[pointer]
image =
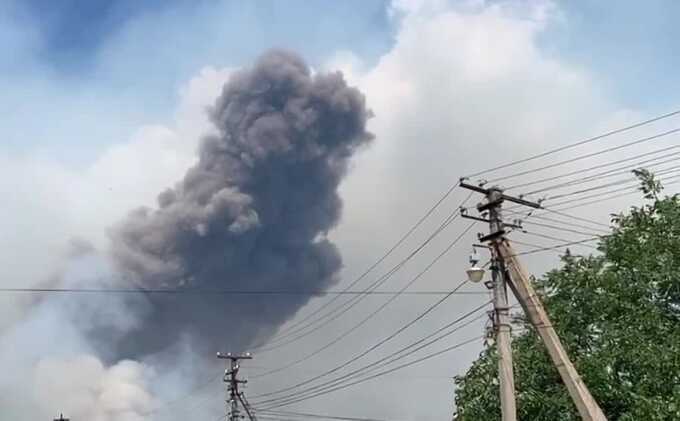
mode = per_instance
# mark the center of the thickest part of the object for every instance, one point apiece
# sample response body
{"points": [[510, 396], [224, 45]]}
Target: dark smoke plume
{"points": [[252, 214]]}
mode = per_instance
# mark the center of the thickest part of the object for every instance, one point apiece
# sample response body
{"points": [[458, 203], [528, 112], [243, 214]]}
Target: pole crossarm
{"points": [[513, 199]]}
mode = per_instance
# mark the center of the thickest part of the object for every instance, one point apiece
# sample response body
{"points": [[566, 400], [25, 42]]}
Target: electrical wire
{"points": [[574, 217], [277, 416], [372, 314], [370, 349], [549, 248], [335, 314], [626, 180], [532, 245], [579, 143], [385, 255], [223, 292], [589, 155], [609, 173], [633, 181], [550, 237], [634, 188], [603, 197], [382, 373], [581, 171], [540, 217], [318, 416], [586, 180], [592, 202], [569, 230], [392, 357]]}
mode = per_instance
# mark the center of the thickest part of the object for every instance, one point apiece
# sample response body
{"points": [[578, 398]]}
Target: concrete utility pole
{"points": [[501, 310], [231, 378], [533, 308], [504, 263]]}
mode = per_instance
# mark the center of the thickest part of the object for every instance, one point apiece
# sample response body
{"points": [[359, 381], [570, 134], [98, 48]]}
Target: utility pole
{"points": [[506, 268], [231, 378], [533, 308], [501, 308]]}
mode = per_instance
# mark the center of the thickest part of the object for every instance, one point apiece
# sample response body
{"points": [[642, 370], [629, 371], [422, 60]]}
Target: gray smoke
{"points": [[252, 214]]}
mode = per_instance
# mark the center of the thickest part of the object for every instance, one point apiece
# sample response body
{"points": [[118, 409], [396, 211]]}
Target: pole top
{"points": [[234, 357]]}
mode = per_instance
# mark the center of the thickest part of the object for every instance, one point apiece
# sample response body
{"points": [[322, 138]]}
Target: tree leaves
{"points": [[618, 315]]}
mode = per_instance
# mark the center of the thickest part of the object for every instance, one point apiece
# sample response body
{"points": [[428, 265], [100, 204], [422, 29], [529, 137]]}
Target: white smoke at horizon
{"points": [[58, 358], [85, 389]]}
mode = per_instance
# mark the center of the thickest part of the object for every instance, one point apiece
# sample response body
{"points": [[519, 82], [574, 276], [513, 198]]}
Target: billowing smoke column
{"points": [[252, 214]]}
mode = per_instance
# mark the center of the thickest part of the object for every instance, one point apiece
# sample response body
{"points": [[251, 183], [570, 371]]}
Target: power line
{"points": [[277, 416], [627, 180], [589, 155], [602, 199], [524, 218], [308, 415], [538, 247], [223, 292], [574, 217], [553, 227], [369, 349], [581, 171], [532, 245], [541, 249], [601, 196], [330, 316], [382, 373], [579, 143], [609, 173], [550, 237], [372, 314], [604, 196], [385, 255], [397, 355]]}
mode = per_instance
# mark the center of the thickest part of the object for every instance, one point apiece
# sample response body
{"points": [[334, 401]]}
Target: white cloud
{"points": [[460, 91]]}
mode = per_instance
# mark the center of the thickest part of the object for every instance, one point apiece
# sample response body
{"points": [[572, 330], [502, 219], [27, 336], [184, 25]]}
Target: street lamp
{"points": [[475, 274]]}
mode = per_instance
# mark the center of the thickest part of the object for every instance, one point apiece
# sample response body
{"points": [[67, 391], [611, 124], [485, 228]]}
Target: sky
{"points": [[104, 105]]}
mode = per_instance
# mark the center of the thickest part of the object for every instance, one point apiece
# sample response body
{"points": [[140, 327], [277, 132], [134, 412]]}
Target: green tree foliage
{"points": [[618, 315]]}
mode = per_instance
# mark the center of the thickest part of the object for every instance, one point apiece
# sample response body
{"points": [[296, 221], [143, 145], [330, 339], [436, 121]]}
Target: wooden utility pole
{"points": [[505, 261]]}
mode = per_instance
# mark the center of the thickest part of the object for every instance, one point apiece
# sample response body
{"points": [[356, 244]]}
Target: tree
{"points": [[618, 315]]}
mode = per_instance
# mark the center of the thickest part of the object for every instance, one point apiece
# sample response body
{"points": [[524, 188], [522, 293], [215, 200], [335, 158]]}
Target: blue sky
{"points": [[631, 46], [133, 55], [74, 29]]}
